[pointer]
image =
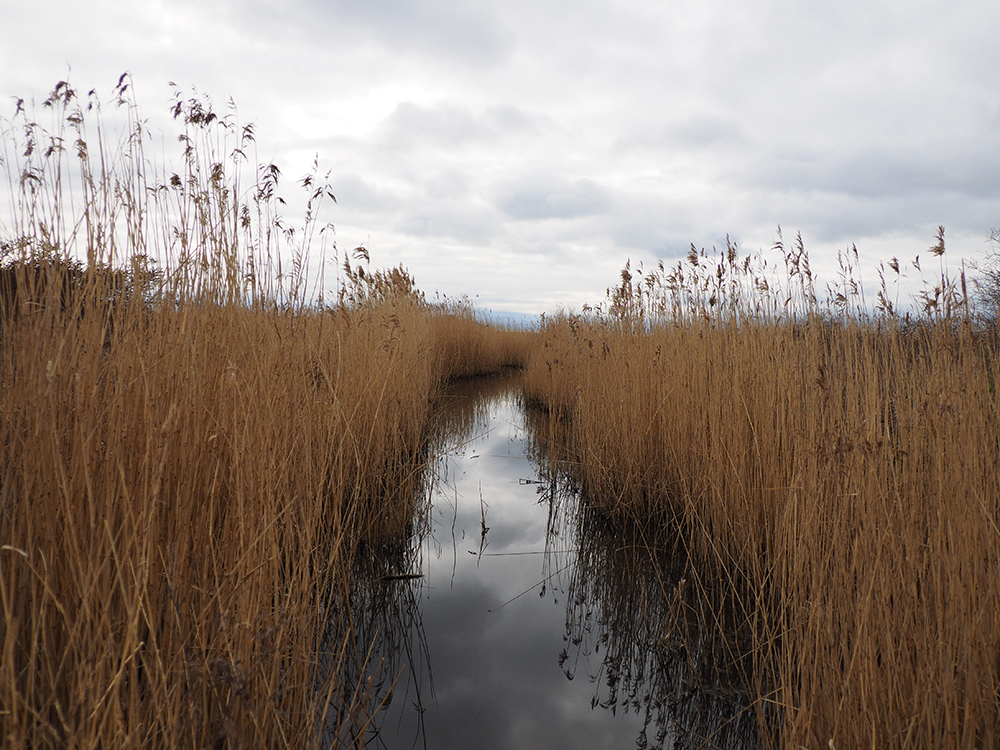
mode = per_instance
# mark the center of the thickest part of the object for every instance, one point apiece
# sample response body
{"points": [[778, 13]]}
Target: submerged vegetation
{"points": [[203, 445]]}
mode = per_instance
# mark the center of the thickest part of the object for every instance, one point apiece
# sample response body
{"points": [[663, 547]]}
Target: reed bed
{"points": [[465, 347], [676, 660], [833, 470], [196, 449]]}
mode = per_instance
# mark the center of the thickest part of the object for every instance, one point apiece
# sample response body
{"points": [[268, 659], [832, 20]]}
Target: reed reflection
{"points": [[472, 652], [374, 638], [672, 650]]}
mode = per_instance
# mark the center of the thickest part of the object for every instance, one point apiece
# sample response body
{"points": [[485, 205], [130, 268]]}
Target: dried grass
{"points": [[194, 451], [835, 472]]}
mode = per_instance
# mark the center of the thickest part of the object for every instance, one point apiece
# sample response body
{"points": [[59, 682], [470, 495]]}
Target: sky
{"points": [[520, 152]]}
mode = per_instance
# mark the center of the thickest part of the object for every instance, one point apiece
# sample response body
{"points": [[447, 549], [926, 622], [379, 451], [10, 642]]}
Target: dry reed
{"points": [[195, 452], [835, 472]]}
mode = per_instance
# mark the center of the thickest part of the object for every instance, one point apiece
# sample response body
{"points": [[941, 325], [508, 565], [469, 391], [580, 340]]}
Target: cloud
{"points": [[701, 131], [564, 199], [357, 194], [535, 133], [455, 30], [449, 126], [692, 133], [449, 183], [458, 221], [442, 125], [880, 171]]}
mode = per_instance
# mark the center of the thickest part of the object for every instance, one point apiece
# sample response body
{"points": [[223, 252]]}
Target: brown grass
{"points": [[198, 449], [194, 454], [836, 474]]}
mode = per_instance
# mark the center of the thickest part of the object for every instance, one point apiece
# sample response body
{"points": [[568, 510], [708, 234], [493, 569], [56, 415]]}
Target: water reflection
{"points": [[671, 647], [517, 618], [664, 653]]}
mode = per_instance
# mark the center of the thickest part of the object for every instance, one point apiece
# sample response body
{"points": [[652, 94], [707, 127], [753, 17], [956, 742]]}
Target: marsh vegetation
{"points": [[833, 472], [193, 460], [216, 470]]}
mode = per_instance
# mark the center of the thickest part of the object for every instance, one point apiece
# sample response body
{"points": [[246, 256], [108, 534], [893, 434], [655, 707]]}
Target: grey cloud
{"points": [[447, 125], [355, 193], [928, 168], [441, 125], [466, 31], [841, 219], [701, 131], [876, 189], [647, 235], [510, 119], [886, 169], [449, 219], [697, 132], [663, 225], [450, 183], [558, 200]]}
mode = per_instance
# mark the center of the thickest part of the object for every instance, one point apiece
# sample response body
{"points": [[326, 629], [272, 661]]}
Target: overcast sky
{"points": [[522, 151]]}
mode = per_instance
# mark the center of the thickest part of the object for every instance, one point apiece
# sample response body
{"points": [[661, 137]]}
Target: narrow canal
{"points": [[509, 625]]}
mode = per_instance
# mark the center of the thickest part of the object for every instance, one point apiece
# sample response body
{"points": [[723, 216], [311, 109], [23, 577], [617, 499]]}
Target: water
{"points": [[531, 624]]}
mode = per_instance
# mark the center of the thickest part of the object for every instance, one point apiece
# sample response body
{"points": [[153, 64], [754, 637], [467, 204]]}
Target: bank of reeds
{"points": [[466, 347], [195, 450], [665, 649], [835, 471]]}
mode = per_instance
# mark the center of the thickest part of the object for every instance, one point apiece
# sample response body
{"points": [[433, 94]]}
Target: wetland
{"points": [[720, 509], [524, 619]]}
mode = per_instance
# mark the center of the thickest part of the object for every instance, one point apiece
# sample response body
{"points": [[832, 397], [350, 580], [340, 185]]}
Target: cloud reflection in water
{"points": [[503, 623]]}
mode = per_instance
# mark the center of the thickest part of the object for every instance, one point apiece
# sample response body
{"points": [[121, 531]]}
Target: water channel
{"points": [[519, 619]]}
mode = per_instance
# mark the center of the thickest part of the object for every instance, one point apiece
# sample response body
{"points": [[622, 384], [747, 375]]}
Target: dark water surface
{"points": [[531, 626]]}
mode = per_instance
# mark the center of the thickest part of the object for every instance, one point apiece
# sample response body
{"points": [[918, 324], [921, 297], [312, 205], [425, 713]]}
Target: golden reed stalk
{"points": [[838, 474], [193, 452]]}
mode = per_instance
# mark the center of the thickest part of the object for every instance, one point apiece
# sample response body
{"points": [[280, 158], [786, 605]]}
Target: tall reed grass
{"points": [[197, 447], [676, 660], [835, 473]]}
